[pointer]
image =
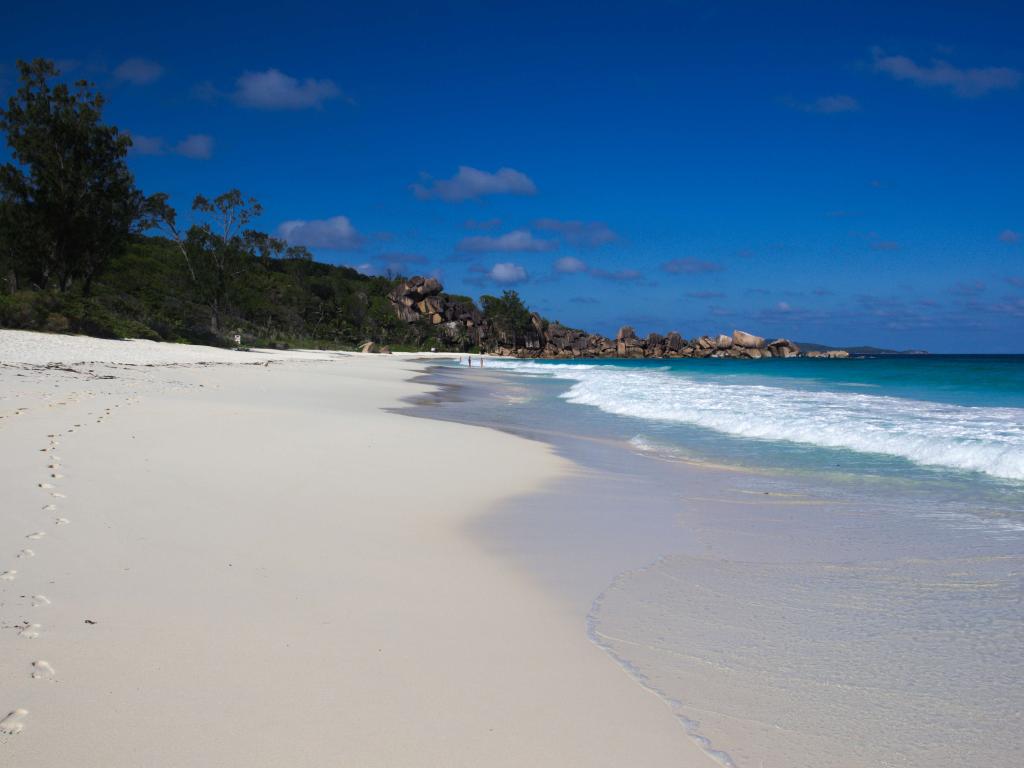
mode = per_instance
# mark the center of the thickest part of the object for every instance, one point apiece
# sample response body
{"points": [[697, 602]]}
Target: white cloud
{"points": [[138, 71], [516, 241], [470, 183], [197, 146], [334, 234], [508, 273], [583, 233], [275, 90], [967, 83], [570, 265]]}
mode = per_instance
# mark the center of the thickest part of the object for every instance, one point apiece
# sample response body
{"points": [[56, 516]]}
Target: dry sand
{"points": [[250, 565]]}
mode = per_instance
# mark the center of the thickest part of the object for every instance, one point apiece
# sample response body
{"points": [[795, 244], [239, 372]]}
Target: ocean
{"points": [[812, 562]]}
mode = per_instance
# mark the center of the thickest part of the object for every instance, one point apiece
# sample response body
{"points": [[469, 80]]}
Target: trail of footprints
{"points": [[14, 722]]}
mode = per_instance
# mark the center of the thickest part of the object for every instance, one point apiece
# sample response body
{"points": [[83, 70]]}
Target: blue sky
{"points": [[844, 174]]}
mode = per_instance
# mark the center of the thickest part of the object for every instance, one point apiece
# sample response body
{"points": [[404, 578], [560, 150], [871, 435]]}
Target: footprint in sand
{"points": [[61, 521], [50, 508], [14, 722], [58, 495], [47, 486], [8, 575], [56, 476], [27, 553], [40, 600], [29, 630], [36, 535], [41, 670]]}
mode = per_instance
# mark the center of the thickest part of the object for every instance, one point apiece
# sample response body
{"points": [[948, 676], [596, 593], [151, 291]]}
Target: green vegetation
{"points": [[78, 253], [508, 315]]}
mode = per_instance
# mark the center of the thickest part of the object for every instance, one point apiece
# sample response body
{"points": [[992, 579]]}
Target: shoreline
{"points": [[239, 579], [739, 597]]}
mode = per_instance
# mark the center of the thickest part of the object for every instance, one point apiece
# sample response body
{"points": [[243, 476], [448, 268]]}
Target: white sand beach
{"points": [[229, 564]]}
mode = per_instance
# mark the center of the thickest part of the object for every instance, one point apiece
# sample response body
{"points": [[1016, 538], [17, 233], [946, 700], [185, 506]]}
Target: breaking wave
{"points": [[980, 439]]}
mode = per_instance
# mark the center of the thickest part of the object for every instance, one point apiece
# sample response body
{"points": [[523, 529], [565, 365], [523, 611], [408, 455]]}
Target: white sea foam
{"points": [[982, 439]]}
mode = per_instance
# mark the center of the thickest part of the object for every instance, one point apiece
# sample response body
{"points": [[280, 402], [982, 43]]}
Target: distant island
{"points": [[861, 351]]}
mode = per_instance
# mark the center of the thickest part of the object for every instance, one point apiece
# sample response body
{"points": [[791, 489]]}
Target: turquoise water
{"points": [[815, 563], [959, 416]]}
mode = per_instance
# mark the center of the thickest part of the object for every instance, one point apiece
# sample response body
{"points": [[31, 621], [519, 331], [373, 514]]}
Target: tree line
{"points": [[82, 249]]}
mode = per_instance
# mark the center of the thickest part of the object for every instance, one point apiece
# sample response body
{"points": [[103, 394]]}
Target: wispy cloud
{"points": [[147, 145], [568, 265], [885, 245], [197, 146], [516, 241], [966, 83], [587, 234], [138, 71], [483, 225], [471, 183], [618, 275], [968, 288], [274, 89], [688, 266], [828, 105], [706, 295], [333, 234], [1009, 236]]}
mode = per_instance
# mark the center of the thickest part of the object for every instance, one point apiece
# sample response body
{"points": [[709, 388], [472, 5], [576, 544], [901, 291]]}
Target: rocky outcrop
{"points": [[461, 325], [747, 340], [627, 344], [410, 298], [783, 348]]}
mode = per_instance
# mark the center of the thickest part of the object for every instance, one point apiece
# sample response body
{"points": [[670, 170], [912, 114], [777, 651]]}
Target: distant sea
{"points": [[813, 562]]}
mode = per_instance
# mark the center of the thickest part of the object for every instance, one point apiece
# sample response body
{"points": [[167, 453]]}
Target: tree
{"points": [[508, 315], [70, 200], [219, 248]]}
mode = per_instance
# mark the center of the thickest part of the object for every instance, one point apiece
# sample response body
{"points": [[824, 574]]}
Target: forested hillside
{"points": [[79, 250]]}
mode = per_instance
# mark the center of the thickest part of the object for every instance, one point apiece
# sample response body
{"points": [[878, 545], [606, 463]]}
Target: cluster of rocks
{"points": [[420, 299], [558, 341]]}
